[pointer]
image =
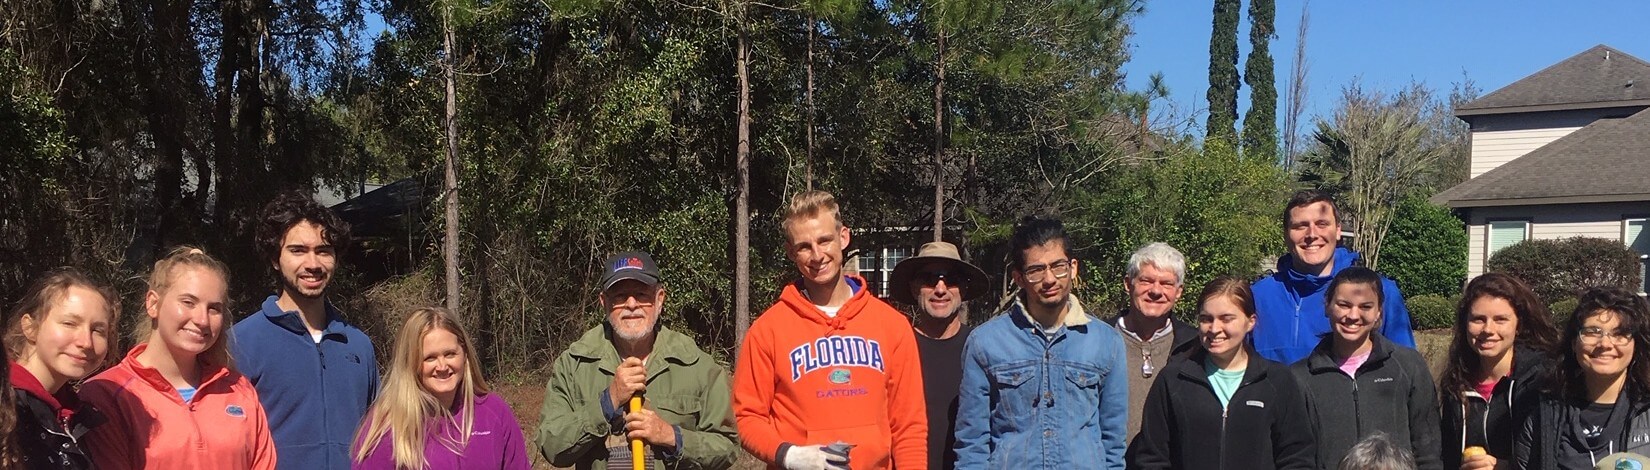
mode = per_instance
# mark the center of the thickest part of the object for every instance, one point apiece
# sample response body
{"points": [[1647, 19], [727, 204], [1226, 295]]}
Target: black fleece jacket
{"points": [[1393, 393], [1184, 427], [1497, 419]]}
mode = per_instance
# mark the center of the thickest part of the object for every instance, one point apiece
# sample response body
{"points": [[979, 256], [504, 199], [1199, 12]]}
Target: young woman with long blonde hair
{"points": [[176, 401], [61, 332], [435, 410]]}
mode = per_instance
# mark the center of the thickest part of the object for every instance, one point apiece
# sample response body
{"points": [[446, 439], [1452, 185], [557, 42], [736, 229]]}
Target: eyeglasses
{"points": [[1592, 336], [619, 298], [933, 278], [1061, 269]]}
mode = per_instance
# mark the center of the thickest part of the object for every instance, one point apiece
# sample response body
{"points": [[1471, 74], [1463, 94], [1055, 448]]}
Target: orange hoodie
{"points": [[805, 378], [150, 426]]}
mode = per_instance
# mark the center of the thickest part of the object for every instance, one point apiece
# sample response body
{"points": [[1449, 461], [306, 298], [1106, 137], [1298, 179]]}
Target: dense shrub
{"points": [[1559, 269], [1430, 311], [1426, 249], [1562, 309]]}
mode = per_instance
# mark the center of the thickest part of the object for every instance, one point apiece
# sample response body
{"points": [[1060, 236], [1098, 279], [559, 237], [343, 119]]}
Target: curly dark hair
{"points": [[1535, 329], [1633, 313], [287, 210]]}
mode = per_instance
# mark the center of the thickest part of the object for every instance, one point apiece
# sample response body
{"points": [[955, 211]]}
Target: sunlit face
{"points": [[1223, 325], [1154, 292], [938, 291], [1603, 348], [633, 308], [441, 371], [1312, 233], [306, 261], [1492, 326], [1354, 312], [70, 339], [1041, 279], [189, 315], [816, 245]]}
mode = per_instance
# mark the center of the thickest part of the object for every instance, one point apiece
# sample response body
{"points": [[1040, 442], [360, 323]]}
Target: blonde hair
{"points": [[38, 301], [160, 279], [404, 408], [808, 205]]}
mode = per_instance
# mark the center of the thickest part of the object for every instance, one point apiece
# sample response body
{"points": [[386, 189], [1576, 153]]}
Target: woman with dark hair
{"points": [[1222, 405], [1358, 382], [1598, 402], [1490, 382]]}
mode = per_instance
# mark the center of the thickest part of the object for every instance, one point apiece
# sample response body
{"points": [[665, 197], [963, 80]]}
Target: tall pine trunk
{"points": [[939, 135], [742, 170], [808, 165], [449, 246]]}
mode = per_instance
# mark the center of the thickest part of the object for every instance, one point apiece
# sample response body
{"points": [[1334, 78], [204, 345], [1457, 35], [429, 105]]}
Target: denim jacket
{"points": [[1031, 400]]}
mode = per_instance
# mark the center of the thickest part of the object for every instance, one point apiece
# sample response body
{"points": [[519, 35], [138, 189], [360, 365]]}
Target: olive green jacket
{"points": [[685, 386]]}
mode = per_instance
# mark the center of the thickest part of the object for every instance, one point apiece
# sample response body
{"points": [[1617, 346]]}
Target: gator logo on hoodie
{"points": [[835, 351]]}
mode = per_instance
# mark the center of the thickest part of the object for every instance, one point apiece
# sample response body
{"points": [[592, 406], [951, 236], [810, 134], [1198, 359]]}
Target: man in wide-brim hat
{"points": [[938, 282]]}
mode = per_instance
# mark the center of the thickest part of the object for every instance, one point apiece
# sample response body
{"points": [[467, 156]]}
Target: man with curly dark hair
{"points": [[315, 373]]}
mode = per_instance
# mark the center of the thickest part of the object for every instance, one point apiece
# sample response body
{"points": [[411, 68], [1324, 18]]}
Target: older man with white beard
{"points": [[686, 417]]}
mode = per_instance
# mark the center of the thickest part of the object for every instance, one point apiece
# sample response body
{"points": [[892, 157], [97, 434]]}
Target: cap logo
{"points": [[630, 262]]}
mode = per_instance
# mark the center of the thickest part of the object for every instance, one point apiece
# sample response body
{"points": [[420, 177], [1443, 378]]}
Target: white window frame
{"points": [[1644, 262]]}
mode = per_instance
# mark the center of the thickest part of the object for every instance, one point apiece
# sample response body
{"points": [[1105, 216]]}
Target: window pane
{"points": [[1506, 233], [1636, 237]]}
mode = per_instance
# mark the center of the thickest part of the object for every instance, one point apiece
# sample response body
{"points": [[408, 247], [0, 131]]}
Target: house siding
{"points": [[1549, 222], [1498, 139]]}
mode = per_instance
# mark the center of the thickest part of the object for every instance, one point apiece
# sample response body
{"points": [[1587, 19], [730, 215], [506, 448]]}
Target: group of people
{"points": [[1310, 367]]}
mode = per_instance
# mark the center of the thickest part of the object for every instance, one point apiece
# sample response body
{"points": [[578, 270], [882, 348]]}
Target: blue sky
{"points": [[1386, 44]]}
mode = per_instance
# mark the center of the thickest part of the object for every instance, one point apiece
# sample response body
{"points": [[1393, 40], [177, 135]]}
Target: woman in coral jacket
{"points": [[175, 401], [60, 333], [435, 411], [1223, 406]]}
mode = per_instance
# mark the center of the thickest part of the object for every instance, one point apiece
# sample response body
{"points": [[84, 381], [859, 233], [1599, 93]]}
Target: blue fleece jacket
{"points": [[1289, 308], [315, 394]]}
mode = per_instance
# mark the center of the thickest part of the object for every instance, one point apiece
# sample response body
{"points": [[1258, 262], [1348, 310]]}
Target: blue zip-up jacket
{"points": [[315, 394], [1290, 316], [1042, 403]]}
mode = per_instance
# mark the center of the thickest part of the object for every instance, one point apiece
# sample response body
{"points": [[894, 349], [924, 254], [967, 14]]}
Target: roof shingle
{"points": [[1608, 160], [1598, 77]]}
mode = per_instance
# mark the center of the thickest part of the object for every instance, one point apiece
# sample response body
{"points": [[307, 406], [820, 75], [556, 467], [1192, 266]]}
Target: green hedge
{"points": [[1561, 311], [1431, 311], [1560, 269]]}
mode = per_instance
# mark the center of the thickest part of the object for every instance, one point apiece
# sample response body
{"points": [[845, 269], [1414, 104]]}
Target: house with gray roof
{"points": [[1561, 153]]}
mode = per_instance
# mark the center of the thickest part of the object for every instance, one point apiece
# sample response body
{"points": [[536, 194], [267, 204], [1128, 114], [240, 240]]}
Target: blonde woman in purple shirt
{"points": [[435, 411]]}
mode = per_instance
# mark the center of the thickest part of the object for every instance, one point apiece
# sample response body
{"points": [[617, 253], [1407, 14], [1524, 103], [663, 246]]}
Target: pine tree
{"points": [[1223, 74], [1260, 129]]}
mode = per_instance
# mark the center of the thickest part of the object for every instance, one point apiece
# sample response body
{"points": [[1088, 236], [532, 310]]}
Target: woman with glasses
{"points": [[1491, 380], [1599, 400]]}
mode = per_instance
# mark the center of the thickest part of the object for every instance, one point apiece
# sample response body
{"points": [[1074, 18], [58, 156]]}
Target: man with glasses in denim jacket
{"points": [[1043, 384]]}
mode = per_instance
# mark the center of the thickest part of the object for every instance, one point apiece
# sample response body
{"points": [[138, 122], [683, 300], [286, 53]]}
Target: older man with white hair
{"points": [[1154, 281]]}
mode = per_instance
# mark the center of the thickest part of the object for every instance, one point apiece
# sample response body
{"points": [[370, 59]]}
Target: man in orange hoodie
{"points": [[829, 375]]}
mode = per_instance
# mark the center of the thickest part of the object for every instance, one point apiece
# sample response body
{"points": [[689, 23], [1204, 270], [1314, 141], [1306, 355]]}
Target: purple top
{"points": [[495, 442]]}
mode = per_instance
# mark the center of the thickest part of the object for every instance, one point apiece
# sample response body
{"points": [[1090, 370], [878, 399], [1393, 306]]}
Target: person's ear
{"points": [[151, 304]]}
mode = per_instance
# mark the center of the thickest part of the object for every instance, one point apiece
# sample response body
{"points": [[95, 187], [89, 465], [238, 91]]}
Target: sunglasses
{"points": [[933, 278]]}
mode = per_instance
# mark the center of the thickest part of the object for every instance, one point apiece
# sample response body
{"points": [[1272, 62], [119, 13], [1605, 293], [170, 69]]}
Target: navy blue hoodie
{"points": [[315, 394], [1289, 308]]}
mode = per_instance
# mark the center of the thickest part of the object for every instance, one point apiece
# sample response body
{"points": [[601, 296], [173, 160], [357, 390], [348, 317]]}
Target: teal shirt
{"points": [[1225, 382]]}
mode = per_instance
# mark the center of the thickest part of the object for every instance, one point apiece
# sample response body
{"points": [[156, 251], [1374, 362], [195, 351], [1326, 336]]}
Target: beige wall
{"points": [[1549, 222]]}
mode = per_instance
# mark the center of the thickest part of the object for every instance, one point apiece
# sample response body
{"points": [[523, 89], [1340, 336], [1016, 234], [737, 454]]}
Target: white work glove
{"points": [[814, 458]]}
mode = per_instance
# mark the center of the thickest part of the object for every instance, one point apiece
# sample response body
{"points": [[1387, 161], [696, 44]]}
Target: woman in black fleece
{"points": [[1490, 382], [1358, 382], [1599, 402], [1222, 406]]}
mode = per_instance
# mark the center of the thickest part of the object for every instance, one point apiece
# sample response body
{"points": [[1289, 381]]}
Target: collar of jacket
{"points": [[1303, 283], [669, 346], [1192, 368], [63, 407], [291, 321], [210, 373], [1322, 360], [1074, 316], [795, 296]]}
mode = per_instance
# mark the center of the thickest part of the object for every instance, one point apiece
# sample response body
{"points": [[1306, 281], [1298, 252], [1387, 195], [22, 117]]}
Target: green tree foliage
{"points": [[1431, 311], [1563, 269], [1260, 124], [1218, 209], [1375, 150], [1426, 249], [1223, 73]]}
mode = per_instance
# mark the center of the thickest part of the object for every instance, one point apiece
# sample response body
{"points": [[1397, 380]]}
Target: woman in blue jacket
{"points": [[1222, 406]]}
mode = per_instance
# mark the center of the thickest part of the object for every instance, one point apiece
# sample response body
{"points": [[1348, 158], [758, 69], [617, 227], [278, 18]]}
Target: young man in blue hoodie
{"points": [[316, 374], [1290, 303]]}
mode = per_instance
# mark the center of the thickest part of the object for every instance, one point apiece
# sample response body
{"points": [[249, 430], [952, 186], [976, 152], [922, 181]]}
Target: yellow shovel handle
{"points": [[637, 459]]}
